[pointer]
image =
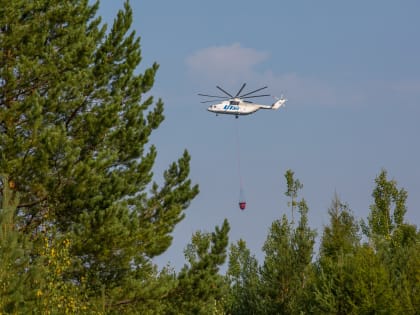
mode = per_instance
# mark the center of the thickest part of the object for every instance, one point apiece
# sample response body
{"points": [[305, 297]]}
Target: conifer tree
{"points": [[32, 267], [334, 291], [74, 132], [341, 236], [355, 283], [14, 253], [201, 289]]}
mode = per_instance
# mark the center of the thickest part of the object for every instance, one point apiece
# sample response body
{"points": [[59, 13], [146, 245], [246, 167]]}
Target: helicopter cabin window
{"points": [[234, 103]]}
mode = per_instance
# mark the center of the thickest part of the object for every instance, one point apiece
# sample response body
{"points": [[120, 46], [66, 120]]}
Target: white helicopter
{"points": [[238, 105]]}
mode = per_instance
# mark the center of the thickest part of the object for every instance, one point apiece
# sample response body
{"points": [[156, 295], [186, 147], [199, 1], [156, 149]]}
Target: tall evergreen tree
{"points": [[74, 132], [341, 236], [32, 267], [14, 253], [335, 291], [355, 283], [201, 289]]}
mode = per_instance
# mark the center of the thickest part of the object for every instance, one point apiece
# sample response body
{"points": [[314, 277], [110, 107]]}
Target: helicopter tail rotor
{"points": [[280, 102]]}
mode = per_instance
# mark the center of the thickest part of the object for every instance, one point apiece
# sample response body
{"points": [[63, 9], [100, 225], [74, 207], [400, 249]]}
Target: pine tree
{"points": [[341, 236], [14, 252], [201, 289], [356, 283], [32, 268], [74, 132], [333, 289]]}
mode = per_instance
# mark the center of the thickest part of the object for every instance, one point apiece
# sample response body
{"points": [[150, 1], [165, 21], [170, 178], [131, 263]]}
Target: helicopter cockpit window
{"points": [[234, 103]]}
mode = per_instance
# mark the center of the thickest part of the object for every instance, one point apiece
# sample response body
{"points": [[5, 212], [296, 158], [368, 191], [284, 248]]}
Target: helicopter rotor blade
{"points": [[240, 90], [224, 91], [212, 101], [256, 96], [257, 90], [206, 95]]}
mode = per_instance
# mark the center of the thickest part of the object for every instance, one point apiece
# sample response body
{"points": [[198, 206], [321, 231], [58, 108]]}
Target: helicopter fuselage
{"points": [[233, 108]]}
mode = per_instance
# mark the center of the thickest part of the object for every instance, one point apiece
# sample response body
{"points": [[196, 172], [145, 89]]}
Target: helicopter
{"points": [[238, 104]]}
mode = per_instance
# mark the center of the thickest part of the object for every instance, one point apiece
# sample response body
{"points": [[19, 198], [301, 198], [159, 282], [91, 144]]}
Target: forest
{"points": [[82, 217]]}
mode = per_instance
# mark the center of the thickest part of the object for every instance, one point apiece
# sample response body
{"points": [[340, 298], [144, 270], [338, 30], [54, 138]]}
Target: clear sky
{"points": [[351, 73]]}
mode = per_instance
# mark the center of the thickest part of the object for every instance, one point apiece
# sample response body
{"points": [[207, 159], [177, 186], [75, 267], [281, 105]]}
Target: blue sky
{"points": [[351, 73]]}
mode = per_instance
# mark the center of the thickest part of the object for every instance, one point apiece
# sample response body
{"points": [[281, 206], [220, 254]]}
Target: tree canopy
{"points": [[74, 139]]}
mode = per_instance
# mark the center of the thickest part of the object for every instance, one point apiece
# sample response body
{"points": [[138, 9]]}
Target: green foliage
{"points": [[293, 186], [387, 212], [74, 133], [347, 277], [355, 278], [395, 241], [351, 279], [200, 288], [354, 284], [244, 280], [288, 254], [14, 252], [33, 269], [341, 236]]}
